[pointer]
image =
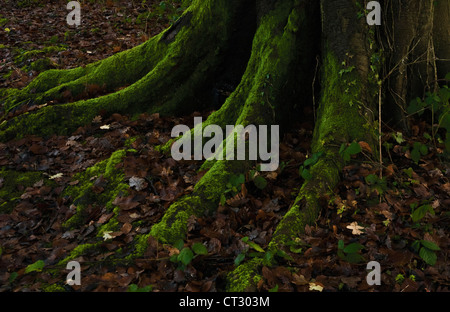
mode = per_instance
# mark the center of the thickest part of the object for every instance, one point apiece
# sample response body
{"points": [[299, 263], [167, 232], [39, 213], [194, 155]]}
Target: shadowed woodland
{"points": [[86, 172]]}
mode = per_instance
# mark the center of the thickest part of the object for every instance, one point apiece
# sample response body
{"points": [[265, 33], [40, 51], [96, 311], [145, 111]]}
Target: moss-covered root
{"points": [[204, 199], [245, 277], [191, 54], [121, 69], [306, 208]]}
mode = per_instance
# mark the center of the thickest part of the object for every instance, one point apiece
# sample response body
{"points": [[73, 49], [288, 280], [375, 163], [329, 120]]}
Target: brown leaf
{"points": [[126, 228], [38, 149], [105, 217], [365, 146], [126, 203]]}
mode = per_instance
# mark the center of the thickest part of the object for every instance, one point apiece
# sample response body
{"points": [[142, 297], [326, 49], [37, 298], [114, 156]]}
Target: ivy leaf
{"points": [[236, 180], [186, 255], [260, 182], [354, 148], [179, 244], [305, 174], [199, 249]]}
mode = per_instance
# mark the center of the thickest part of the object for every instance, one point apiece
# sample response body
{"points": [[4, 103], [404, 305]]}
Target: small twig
{"points": [[379, 132]]}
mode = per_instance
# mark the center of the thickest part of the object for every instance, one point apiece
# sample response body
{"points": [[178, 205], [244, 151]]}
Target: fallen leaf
{"points": [[107, 235], [56, 176], [315, 286], [365, 146], [138, 183], [356, 229], [126, 228]]}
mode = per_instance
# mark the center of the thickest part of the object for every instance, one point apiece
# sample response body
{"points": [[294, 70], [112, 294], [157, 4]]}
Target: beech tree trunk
{"points": [[266, 50]]}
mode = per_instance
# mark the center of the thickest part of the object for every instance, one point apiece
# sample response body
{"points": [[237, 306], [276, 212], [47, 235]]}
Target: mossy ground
{"points": [[14, 184], [103, 175]]}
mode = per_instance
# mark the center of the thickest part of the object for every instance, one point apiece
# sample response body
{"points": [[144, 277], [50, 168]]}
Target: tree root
{"points": [[163, 75]]}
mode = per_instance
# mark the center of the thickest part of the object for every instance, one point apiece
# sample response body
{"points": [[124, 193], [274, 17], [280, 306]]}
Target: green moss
{"points": [[79, 251], [341, 117], [40, 65], [245, 277], [140, 244], [158, 79], [173, 226], [53, 288], [83, 195], [14, 185]]}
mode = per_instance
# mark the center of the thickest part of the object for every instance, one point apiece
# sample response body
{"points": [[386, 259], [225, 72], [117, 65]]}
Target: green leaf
{"points": [[135, 288], [354, 148], [428, 256], [415, 155], [340, 244], [409, 172], [199, 249], [447, 77], [12, 277], [240, 257], [306, 174], [223, 199], [420, 212], [353, 248], [295, 249], [185, 256], [415, 106], [423, 149], [179, 244], [312, 160], [260, 182], [284, 255], [430, 245], [354, 258], [416, 245], [275, 289], [236, 180], [372, 179], [398, 137], [37, 266], [252, 244], [268, 257]]}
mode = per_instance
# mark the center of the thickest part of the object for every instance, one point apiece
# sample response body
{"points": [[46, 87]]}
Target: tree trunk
{"points": [[266, 49]]}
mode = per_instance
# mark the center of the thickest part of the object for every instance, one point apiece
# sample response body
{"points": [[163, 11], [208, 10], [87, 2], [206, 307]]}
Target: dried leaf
{"points": [[138, 183], [315, 286], [356, 229]]}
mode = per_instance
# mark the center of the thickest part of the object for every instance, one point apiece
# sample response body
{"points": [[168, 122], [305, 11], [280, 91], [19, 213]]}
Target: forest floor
{"points": [[400, 220]]}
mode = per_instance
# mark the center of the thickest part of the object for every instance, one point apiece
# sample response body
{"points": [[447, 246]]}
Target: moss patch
{"points": [[14, 184], [104, 175], [245, 277]]}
